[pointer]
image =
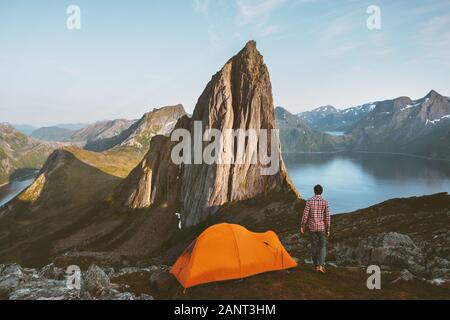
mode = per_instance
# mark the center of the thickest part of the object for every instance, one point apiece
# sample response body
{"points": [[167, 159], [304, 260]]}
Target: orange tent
{"points": [[229, 251]]}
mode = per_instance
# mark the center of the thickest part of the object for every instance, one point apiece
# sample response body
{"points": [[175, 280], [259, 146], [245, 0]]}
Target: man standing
{"points": [[317, 216]]}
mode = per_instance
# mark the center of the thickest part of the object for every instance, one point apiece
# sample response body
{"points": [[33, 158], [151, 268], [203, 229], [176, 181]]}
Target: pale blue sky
{"points": [[131, 56]]}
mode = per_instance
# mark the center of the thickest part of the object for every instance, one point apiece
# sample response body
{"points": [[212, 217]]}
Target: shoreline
{"points": [[371, 152]]}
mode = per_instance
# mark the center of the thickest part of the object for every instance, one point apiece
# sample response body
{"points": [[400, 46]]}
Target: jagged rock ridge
{"points": [[239, 96], [139, 133]]}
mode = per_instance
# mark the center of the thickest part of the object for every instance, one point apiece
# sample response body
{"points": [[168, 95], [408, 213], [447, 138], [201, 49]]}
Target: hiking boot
{"points": [[322, 269]]}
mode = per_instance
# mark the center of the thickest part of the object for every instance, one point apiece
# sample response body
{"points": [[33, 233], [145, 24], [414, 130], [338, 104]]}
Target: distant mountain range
{"points": [[419, 127], [329, 118], [52, 134], [297, 136], [82, 133], [402, 125], [24, 128], [137, 134], [105, 135], [20, 154], [72, 126]]}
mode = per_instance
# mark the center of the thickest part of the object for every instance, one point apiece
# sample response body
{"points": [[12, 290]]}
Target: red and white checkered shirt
{"points": [[317, 215]]}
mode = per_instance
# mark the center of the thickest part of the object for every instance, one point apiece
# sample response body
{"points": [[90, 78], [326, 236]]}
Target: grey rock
{"points": [[44, 289], [122, 296], [438, 281], [8, 284], [12, 270], [162, 281], [392, 249], [109, 272], [145, 297], [132, 270], [52, 272], [10, 277], [96, 281], [331, 264], [405, 275]]}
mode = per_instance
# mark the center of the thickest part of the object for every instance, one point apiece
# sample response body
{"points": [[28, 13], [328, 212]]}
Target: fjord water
{"points": [[9, 191], [351, 181], [358, 180]]}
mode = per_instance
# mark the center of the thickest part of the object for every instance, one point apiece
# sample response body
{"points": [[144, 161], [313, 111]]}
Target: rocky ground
{"points": [[155, 282], [405, 234], [51, 283], [408, 238]]}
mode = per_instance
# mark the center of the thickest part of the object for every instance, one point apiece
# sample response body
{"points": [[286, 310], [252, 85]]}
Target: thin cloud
{"points": [[251, 10], [434, 36], [201, 6], [270, 30]]}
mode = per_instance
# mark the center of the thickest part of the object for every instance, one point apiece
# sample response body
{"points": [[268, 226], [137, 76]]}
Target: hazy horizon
{"points": [[136, 118], [131, 57]]}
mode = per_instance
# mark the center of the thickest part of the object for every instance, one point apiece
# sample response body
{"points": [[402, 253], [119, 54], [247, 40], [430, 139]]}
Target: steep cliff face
{"points": [[239, 96]]}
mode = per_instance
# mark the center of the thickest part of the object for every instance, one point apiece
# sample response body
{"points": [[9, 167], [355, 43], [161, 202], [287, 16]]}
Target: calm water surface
{"points": [[9, 191], [356, 181], [351, 181], [336, 133]]}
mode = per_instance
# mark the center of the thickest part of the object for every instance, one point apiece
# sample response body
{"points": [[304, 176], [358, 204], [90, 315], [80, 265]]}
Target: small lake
{"points": [[9, 191], [355, 181], [336, 133]]}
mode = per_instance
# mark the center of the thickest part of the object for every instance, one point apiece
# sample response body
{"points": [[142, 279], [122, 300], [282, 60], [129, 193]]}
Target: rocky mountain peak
{"points": [[6, 128], [137, 134], [239, 96], [433, 94]]}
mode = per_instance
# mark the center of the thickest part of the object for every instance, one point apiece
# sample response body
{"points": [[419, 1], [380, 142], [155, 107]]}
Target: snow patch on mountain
{"points": [[437, 120]]}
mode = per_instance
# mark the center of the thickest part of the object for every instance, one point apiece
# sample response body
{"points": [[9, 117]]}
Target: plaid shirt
{"points": [[317, 215]]}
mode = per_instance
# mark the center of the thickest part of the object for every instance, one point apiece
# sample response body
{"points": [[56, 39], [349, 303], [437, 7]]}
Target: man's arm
{"points": [[305, 216], [327, 219]]}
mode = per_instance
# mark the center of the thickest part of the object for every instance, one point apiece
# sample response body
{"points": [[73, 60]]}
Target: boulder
{"points": [[50, 271], [162, 281], [44, 289], [439, 267], [405, 275], [96, 281], [122, 296], [8, 284], [391, 249], [132, 271], [10, 277], [12, 270]]}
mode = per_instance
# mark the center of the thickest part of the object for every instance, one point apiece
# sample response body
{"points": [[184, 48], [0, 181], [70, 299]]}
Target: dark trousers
{"points": [[318, 247]]}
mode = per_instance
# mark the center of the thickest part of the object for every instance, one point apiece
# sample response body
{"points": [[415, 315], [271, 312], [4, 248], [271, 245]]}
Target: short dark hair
{"points": [[318, 190]]}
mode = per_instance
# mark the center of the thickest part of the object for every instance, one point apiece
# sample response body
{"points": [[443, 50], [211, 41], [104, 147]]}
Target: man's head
{"points": [[318, 190]]}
